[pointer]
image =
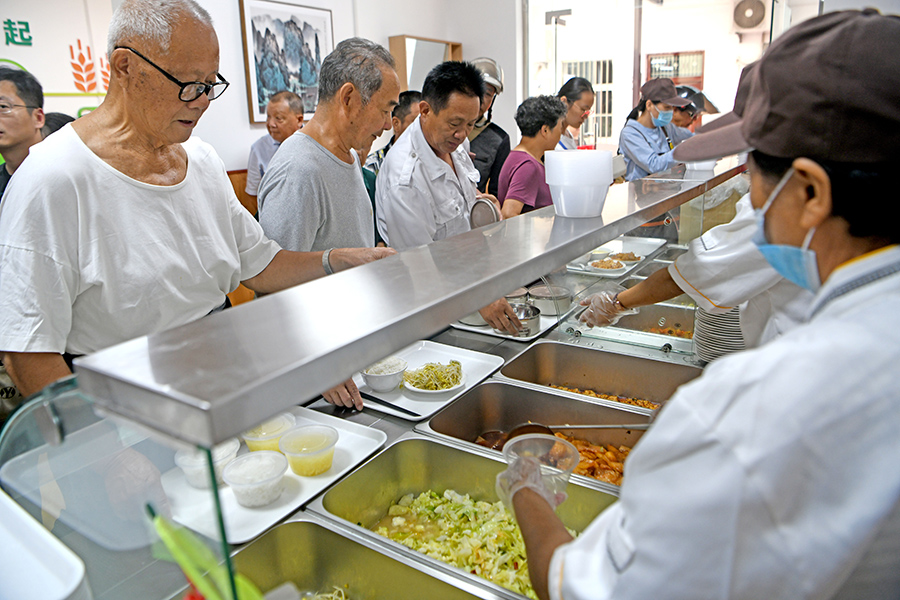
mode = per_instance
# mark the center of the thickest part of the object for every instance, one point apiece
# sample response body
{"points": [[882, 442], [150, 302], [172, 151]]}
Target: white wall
{"points": [[484, 28], [701, 25], [226, 125]]}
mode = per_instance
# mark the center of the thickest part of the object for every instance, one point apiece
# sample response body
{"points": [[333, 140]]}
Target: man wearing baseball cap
{"points": [[648, 138], [487, 140], [774, 475]]}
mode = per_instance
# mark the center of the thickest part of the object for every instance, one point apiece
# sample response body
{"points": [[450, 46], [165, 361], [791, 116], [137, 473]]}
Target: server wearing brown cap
{"points": [[774, 475]]}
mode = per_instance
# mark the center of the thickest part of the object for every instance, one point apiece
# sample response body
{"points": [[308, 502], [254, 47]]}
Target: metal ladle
{"points": [[495, 440]]}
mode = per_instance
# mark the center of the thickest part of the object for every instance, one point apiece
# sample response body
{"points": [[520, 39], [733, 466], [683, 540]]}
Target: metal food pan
{"points": [[671, 253], [500, 405], [546, 363], [659, 315], [416, 463], [682, 300], [316, 559], [652, 266]]}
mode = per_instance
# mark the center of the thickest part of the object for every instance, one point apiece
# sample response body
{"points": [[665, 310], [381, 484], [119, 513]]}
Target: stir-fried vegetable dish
{"points": [[479, 537], [435, 376]]}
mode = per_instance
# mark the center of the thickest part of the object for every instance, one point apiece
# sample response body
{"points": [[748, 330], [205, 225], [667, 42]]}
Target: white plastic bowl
{"points": [[701, 165], [579, 181], [385, 382], [193, 463], [257, 478]]}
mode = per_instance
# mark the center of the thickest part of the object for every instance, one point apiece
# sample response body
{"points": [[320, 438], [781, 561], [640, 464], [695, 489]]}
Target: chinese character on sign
{"points": [[17, 33]]}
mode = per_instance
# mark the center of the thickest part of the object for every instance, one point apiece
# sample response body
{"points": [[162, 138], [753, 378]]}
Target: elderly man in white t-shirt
{"points": [[121, 224]]}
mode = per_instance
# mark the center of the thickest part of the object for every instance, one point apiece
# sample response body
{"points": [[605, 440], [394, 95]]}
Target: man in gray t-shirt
{"points": [[310, 199], [313, 194]]}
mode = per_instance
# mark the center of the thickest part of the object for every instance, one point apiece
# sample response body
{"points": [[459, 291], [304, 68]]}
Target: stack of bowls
{"points": [[716, 335], [579, 181]]}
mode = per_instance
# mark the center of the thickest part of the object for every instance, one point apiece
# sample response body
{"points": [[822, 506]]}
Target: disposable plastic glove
{"points": [[602, 309], [525, 472]]}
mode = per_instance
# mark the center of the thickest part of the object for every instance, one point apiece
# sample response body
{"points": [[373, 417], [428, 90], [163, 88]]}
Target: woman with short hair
{"points": [[523, 185]]}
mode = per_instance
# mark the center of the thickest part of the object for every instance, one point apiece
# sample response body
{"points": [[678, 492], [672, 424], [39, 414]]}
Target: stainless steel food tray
{"points": [[682, 300], [633, 329], [501, 405], [310, 552], [416, 463], [576, 366]]}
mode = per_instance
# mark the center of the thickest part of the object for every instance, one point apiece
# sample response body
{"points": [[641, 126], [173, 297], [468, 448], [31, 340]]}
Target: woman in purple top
{"points": [[523, 186]]}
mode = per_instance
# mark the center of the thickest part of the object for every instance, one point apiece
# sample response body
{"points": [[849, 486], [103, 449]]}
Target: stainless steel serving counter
{"points": [[209, 380]]}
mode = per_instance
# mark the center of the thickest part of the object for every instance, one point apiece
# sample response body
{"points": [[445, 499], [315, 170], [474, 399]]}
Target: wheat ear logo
{"points": [[84, 70]]}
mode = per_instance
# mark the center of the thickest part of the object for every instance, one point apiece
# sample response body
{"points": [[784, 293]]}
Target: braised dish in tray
{"points": [[603, 462], [622, 399]]}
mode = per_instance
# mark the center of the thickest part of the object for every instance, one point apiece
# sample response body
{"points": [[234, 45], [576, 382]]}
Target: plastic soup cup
{"points": [[196, 468], [257, 478], [309, 448], [557, 457], [266, 436]]}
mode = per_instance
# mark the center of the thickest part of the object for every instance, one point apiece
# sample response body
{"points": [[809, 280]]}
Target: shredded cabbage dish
{"points": [[479, 537], [336, 594], [435, 376]]}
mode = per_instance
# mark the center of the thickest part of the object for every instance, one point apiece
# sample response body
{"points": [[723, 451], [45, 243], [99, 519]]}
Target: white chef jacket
{"points": [[723, 269], [773, 475], [418, 197]]}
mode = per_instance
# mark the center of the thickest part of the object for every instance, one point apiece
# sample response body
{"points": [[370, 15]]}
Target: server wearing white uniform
{"points": [[722, 269], [774, 475], [649, 137]]}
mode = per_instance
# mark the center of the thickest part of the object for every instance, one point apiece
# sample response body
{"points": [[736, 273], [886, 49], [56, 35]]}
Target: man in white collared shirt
{"points": [[426, 185]]}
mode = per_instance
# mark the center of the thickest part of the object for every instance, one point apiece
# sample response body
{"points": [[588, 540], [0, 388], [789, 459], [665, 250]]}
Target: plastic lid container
{"points": [[33, 562], [309, 448], [193, 462], [257, 478], [551, 300], [517, 295], [266, 436], [557, 457]]}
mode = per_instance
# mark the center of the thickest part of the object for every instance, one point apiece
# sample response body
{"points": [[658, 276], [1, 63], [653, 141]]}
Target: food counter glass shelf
{"points": [[90, 481]]}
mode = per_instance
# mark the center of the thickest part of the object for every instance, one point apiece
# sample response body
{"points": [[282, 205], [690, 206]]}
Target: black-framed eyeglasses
{"points": [[190, 90], [6, 108]]}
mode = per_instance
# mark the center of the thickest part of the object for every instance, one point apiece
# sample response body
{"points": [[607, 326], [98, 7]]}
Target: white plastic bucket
{"points": [[579, 181]]}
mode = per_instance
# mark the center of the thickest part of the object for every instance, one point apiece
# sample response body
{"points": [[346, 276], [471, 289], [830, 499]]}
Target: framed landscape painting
{"points": [[284, 44]]}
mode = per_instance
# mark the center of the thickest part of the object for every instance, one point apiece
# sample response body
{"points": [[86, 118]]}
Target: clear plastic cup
{"points": [[195, 467], [557, 457], [309, 448], [266, 436], [257, 478]]}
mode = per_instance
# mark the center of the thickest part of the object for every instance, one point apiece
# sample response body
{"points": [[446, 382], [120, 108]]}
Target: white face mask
{"points": [[797, 265]]}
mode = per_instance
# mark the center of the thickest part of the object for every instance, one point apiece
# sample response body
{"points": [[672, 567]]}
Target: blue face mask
{"points": [[664, 118], [797, 265]]}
